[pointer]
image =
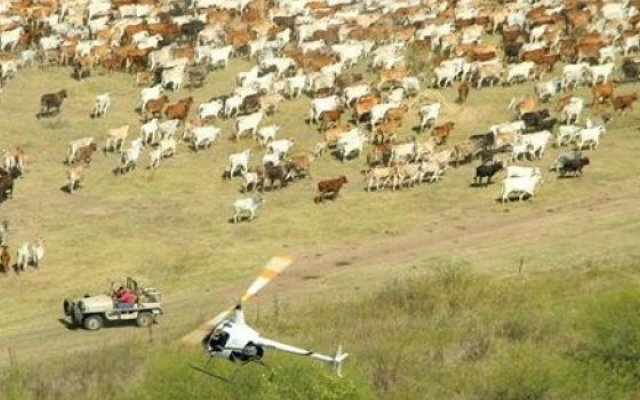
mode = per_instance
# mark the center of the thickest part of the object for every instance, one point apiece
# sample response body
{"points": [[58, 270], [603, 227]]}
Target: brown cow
{"points": [[622, 103], [179, 110], [463, 92], [5, 259], [392, 75], [298, 166], [330, 118], [329, 188], [396, 114], [84, 153], [441, 132], [155, 106], [603, 92]]}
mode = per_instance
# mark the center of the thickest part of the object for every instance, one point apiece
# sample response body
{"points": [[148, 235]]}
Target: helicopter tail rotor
{"points": [[338, 358]]}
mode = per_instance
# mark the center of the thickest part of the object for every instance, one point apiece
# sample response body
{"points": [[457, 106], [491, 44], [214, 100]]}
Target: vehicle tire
{"points": [[93, 322], [144, 319], [66, 306]]}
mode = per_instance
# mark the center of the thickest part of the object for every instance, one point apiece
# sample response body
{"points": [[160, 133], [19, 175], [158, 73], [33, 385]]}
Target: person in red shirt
{"points": [[124, 298]]}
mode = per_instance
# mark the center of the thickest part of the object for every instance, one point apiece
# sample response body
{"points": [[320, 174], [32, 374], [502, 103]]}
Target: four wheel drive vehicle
{"points": [[92, 312]]}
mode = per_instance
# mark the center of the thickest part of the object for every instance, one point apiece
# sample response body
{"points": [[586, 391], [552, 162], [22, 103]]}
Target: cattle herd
{"points": [[316, 49]]}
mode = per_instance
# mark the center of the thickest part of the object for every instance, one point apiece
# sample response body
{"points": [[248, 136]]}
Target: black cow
{"points": [[574, 165], [274, 173], [631, 70], [532, 119], [512, 51], [250, 104], [546, 124], [6, 187], [487, 170], [51, 101]]}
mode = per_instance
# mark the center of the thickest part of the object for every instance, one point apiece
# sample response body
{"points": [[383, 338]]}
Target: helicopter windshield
{"points": [[218, 339]]}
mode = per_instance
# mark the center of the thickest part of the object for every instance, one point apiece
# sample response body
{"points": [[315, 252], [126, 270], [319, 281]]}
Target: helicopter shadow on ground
{"points": [[209, 373]]}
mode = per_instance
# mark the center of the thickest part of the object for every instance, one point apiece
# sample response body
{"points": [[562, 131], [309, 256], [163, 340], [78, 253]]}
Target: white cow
{"points": [[247, 123], [267, 134], [537, 142], [237, 161], [295, 85], [74, 145], [322, 104], [566, 134], [204, 136], [211, 109], [522, 185], [590, 136], [428, 115], [523, 70], [246, 205], [168, 128], [149, 130], [10, 38], [352, 141], [548, 89], [281, 147], [166, 148], [152, 93], [30, 254], [220, 56], [598, 72], [129, 157], [572, 111], [102, 104], [353, 93]]}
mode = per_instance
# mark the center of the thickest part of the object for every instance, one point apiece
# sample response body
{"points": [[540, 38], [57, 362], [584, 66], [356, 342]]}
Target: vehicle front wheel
{"points": [[93, 322], [144, 319], [66, 306]]}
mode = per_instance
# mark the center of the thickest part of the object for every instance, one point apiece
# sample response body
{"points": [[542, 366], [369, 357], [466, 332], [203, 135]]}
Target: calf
{"points": [[298, 166], [463, 92], [102, 104], [116, 137], [75, 175], [246, 205], [441, 132], [488, 171], [329, 188], [622, 103], [84, 153]]}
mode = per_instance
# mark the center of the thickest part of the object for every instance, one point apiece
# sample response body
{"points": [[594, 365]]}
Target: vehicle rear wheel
{"points": [[144, 319], [93, 322]]}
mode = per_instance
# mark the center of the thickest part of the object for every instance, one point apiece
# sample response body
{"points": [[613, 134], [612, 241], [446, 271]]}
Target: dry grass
{"points": [[170, 227]]}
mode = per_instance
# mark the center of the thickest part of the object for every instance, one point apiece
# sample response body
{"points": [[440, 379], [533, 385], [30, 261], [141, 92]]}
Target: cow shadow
{"points": [[514, 199], [47, 114], [480, 185]]}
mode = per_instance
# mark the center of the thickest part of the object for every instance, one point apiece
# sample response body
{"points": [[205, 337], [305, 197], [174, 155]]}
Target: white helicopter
{"points": [[228, 336]]}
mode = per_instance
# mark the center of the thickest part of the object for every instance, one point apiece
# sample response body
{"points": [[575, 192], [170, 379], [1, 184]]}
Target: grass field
{"points": [[169, 228]]}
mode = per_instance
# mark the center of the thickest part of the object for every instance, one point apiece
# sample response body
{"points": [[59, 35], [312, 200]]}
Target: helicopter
{"points": [[229, 337]]}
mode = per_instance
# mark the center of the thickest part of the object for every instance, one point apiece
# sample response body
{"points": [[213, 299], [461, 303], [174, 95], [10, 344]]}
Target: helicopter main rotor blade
{"points": [[273, 268]]}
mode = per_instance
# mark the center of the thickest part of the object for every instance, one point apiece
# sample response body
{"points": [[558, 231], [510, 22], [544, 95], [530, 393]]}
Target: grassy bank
{"points": [[572, 334]]}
